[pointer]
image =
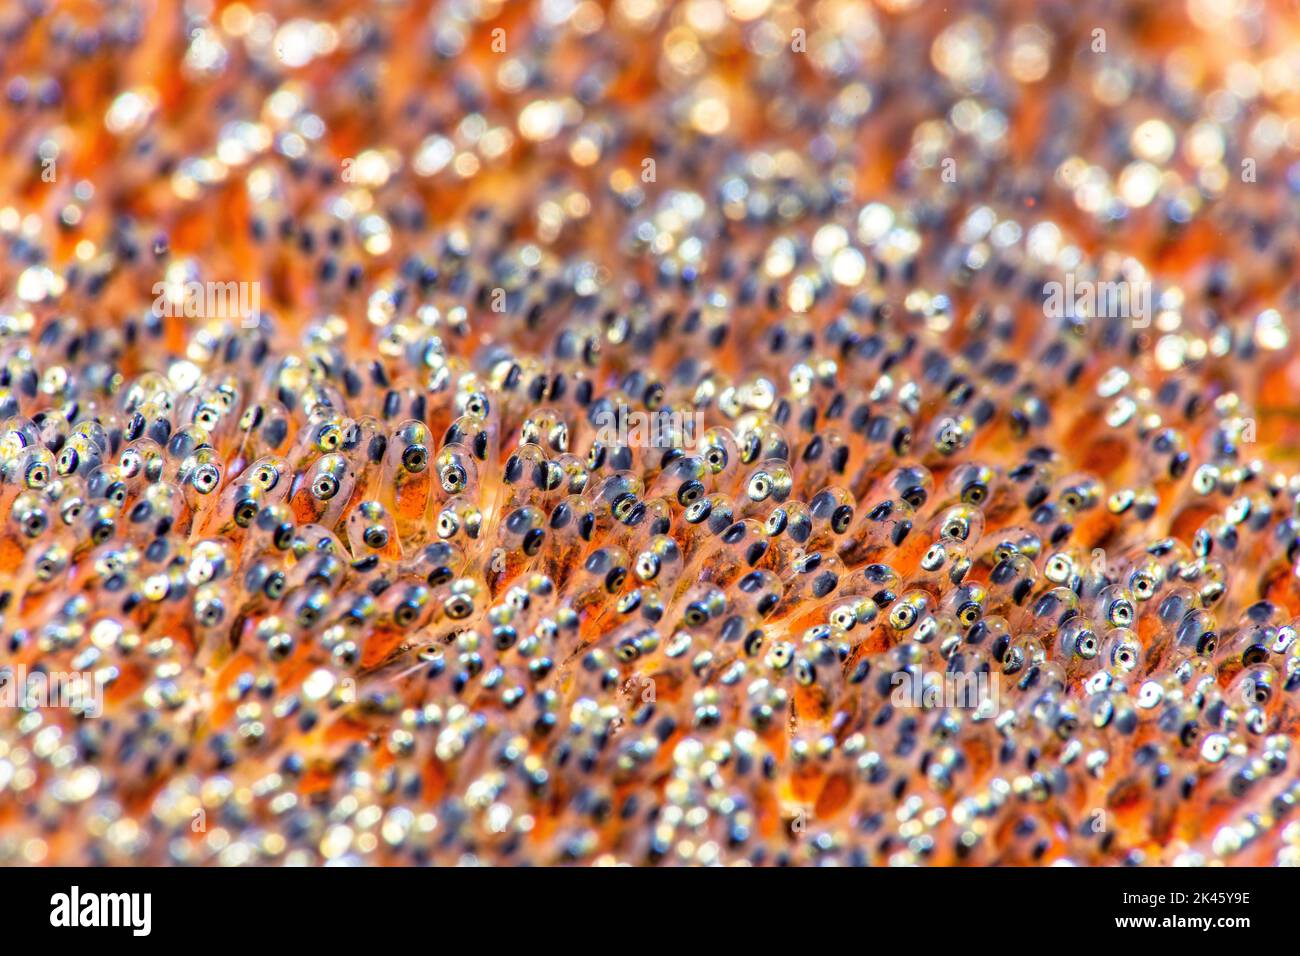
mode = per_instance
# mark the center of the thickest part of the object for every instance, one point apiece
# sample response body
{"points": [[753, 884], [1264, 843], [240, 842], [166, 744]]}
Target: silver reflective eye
{"points": [[325, 487], [1058, 569], [934, 558], [205, 478]]}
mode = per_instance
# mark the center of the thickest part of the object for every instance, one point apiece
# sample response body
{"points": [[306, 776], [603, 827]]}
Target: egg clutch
{"points": [[725, 432]]}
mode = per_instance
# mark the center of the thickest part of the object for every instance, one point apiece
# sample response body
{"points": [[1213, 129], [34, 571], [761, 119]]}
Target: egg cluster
{"points": [[716, 432]]}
